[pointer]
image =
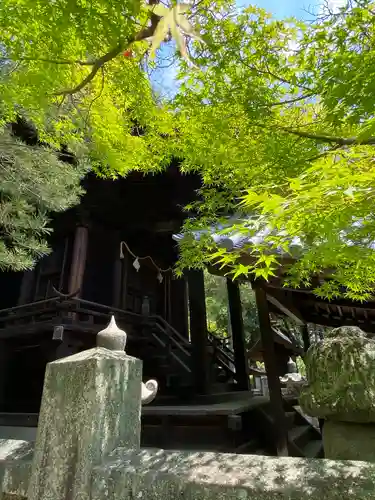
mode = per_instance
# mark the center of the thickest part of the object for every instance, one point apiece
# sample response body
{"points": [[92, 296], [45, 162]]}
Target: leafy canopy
{"points": [[77, 70], [281, 123], [276, 115]]}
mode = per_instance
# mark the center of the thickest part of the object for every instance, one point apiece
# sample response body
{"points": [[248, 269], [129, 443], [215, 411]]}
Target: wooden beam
{"points": [[198, 331], [27, 287], [5, 359], [78, 265], [274, 386], [368, 305], [117, 275], [240, 356], [325, 320], [286, 309]]}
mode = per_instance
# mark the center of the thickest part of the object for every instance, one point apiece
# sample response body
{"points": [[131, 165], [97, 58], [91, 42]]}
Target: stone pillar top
{"points": [[112, 337]]}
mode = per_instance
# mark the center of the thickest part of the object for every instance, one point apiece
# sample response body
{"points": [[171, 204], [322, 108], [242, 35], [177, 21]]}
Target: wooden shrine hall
{"points": [[114, 254]]}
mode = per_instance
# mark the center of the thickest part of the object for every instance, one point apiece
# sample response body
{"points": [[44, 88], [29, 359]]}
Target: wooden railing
{"points": [[223, 354], [62, 310], [69, 310], [58, 309]]}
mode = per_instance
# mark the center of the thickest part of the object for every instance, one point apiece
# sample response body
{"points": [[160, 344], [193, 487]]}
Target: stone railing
{"points": [[87, 447]]}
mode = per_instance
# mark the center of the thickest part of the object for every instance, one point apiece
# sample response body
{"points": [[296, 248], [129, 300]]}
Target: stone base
{"points": [[349, 441]]}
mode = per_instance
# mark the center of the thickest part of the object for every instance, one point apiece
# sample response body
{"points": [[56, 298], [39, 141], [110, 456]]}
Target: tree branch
{"points": [[291, 101], [276, 77], [144, 33], [50, 61], [341, 141], [96, 97], [325, 153], [99, 63]]}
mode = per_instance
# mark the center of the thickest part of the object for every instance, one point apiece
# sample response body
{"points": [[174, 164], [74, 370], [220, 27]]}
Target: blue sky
{"points": [[164, 79], [285, 8]]}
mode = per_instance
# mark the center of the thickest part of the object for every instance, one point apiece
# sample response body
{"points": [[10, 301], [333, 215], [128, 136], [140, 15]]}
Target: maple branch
{"points": [[144, 33], [341, 141], [325, 153], [291, 101], [46, 60], [96, 97], [99, 63], [276, 77]]}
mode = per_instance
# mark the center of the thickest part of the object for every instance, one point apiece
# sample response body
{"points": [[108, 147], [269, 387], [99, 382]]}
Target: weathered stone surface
{"points": [[348, 441], [15, 468], [91, 404], [341, 377], [161, 475]]}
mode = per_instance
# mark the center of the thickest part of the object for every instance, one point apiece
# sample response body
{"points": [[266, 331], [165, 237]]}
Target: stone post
{"points": [[341, 390], [91, 405]]}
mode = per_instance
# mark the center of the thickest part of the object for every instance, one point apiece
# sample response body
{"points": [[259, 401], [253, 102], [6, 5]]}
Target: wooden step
{"points": [[297, 432], [246, 448], [261, 452], [290, 418], [203, 438], [313, 449]]}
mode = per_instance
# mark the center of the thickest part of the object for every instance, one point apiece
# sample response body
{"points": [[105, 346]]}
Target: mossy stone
{"points": [[341, 377]]}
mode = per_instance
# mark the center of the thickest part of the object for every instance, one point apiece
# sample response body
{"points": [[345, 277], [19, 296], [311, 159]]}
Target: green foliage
{"points": [[217, 309], [301, 366], [277, 117], [33, 183], [288, 140], [76, 69]]}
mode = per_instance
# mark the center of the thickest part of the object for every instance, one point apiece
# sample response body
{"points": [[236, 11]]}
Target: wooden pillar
{"points": [[78, 265], [179, 306], [198, 331], [5, 379], [117, 281], [27, 287], [274, 386], [238, 335], [305, 337]]}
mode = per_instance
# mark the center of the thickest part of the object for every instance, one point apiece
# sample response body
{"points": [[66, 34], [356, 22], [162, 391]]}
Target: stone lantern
{"points": [[341, 390], [292, 379]]}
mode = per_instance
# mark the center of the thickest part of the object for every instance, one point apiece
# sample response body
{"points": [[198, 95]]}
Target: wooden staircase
{"points": [[304, 440], [167, 357]]}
